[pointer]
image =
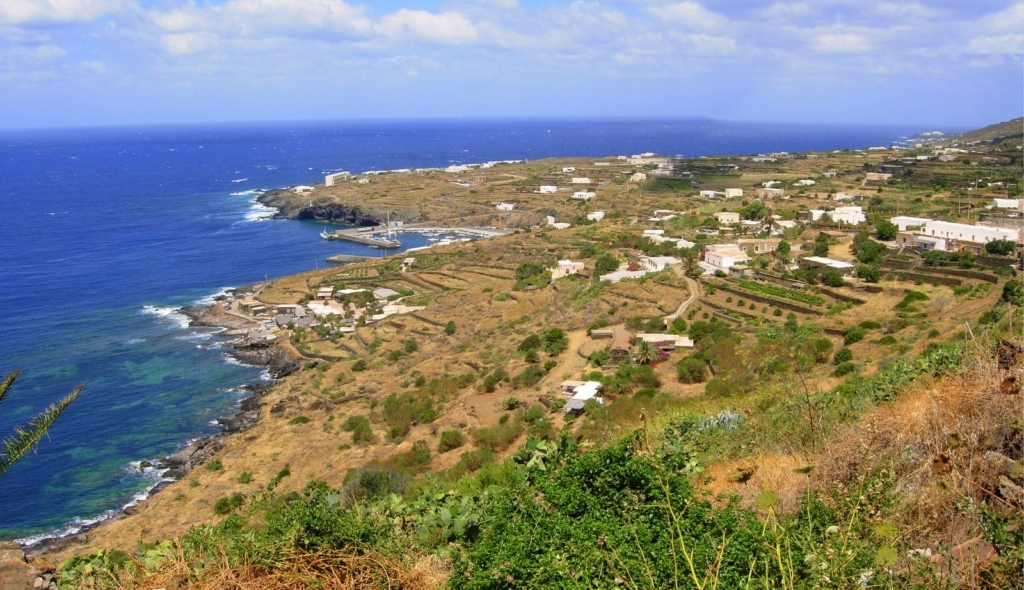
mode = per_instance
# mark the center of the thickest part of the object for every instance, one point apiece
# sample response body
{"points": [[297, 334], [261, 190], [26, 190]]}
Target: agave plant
{"points": [[645, 353]]}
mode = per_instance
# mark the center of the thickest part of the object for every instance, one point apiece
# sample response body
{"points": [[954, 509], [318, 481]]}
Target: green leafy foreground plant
{"points": [[26, 437]]}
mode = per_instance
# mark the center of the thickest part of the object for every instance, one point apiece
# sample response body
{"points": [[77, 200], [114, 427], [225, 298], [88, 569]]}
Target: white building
{"points": [[666, 342], [840, 266], [962, 232], [333, 179], [847, 215], [302, 189], [830, 173], [727, 217], [638, 177], [1005, 204], [733, 193], [771, 193], [658, 263], [564, 268], [546, 189], [568, 170], [903, 223], [805, 182], [724, 256], [581, 180], [583, 195], [595, 216], [840, 196], [602, 163], [506, 206], [709, 194]]}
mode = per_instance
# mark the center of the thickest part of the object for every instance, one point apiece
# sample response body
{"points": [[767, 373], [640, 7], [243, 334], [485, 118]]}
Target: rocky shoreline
{"points": [[175, 467], [292, 206]]}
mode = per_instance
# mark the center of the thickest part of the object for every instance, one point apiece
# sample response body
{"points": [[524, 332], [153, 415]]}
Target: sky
{"points": [[71, 63]]}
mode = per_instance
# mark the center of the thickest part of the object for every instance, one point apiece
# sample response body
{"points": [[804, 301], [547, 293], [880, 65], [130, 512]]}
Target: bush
{"points": [[503, 296], [299, 420], [853, 335], [999, 247], [832, 278], [842, 355], [907, 303], [450, 440], [600, 358], [844, 369], [360, 428], [655, 325], [820, 349], [500, 437], [1013, 293], [229, 504], [411, 346], [449, 328], [531, 342], [870, 325], [529, 269], [870, 274], [509, 403], [473, 461], [605, 264], [691, 370], [359, 365], [550, 365], [678, 326], [886, 230], [530, 376], [245, 477], [534, 413], [214, 465]]}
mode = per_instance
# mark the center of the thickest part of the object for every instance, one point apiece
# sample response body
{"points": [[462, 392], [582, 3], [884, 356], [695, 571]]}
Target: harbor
{"points": [[386, 238]]}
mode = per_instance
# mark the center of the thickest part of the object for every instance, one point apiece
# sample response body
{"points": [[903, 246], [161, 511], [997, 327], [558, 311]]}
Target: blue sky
{"points": [[110, 62]]}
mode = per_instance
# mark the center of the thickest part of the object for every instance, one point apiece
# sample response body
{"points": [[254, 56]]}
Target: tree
{"points": [[528, 269], [1013, 293], [886, 230], [26, 437], [784, 250], [691, 370], [821, 247], [754, 211], [868, 273], [606, 263], [831, 278], [644, 353], [869, 251], [449, 328], [999, 247]]}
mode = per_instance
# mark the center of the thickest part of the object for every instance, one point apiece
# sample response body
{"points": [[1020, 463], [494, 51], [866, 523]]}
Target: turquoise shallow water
{"points": [[107, 231]]}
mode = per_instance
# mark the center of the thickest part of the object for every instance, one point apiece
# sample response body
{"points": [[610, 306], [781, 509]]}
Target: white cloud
{"points": [[1002, 44], [841, 43], [188, 43], [904, 10], [50, 12], [1010, 19], [687, 13], [710, 45], [787, 10], [449, 28]]}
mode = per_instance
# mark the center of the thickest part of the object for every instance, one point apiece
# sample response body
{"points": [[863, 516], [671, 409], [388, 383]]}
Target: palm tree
{"points": [[645, 353], [26, 437]]}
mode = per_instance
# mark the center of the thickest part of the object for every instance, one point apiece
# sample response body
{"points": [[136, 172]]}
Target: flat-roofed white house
{"points": [[805, 182], [727, 217], [708, 194], [733, 193], [595, 216], [546, 189], [903, 223], [583, 195], [771, 193], [724, 256], [568, 170], [638, 177], [877, 176], [581, 180], [840, 266], [564, 268], [506, 206], [841, 196], [658, 263], [333, 179], [302, 189], [962, 232], [665, 342], [847, 215], [1005, 203]]}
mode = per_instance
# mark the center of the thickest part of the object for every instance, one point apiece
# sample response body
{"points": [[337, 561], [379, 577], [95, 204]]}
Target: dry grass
{"points": [[341, 570]]}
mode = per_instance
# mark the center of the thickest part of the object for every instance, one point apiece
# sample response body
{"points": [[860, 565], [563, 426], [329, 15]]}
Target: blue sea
{"points": [[107, 231]]}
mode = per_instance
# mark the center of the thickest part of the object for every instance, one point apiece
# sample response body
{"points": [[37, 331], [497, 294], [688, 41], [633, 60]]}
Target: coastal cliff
{"points": [[293, 206]]}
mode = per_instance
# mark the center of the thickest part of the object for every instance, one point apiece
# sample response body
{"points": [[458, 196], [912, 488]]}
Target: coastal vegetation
{"points": [[25, 437]]}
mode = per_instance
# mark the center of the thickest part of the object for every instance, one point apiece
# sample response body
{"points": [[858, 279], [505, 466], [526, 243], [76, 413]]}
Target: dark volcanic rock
{"points": [[338, 214], [262, 352]]}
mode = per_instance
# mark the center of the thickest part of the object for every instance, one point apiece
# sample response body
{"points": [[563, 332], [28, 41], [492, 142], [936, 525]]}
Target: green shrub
{"points": [[887, 340], [298, 420], [410, 346], [534, 413], [529, 377], [503, 296], [450, 440], [500, 437], [842, 355], [228, 504], [510, 403], [870, 325], [531, 342], [691, 370], [245, 477], [359, 365], [449, 328], [473, 461], [853, 335], [214, 465], [360, 428], [550, 365], [844, 369]]}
